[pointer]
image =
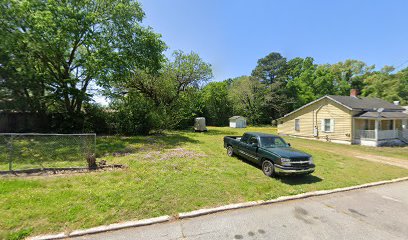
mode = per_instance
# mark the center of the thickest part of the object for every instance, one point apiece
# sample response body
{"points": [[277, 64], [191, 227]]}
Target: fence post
{"points": [[10, 150], [94, 145]]}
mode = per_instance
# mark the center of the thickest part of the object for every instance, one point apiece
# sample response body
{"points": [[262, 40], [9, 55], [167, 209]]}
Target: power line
{"points": [[402, 64]]}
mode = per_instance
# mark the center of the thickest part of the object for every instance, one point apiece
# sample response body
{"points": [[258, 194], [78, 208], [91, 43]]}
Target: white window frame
{"points": [[297, 125], [331, 125]]}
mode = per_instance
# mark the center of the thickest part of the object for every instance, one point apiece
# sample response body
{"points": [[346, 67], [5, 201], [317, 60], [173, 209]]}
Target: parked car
{"points": [[271, 152]]}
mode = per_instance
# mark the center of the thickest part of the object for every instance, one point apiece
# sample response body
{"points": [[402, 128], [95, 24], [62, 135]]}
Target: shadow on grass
{"points": [[119, 145], [220, 132], [288, 179], [299, 179]]}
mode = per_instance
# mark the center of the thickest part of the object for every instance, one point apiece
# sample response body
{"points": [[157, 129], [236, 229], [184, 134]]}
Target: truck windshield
{"points": [[273, 142]]}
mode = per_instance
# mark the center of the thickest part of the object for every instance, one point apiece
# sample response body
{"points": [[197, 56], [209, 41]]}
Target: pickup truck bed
{"points": [[230, 138]]}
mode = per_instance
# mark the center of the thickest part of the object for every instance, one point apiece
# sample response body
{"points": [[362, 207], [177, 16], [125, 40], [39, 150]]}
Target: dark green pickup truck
{"points": [[271, 152]]}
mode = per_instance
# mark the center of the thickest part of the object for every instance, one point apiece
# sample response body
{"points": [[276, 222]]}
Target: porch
{"points": [[380, 131]]}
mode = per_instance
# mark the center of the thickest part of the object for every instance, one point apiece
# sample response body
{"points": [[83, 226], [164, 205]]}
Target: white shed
{"points": [[237, 122]]}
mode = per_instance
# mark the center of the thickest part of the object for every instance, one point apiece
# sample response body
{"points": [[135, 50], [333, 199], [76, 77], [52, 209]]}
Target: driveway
{"points": [[336, 148], [373, 213]]}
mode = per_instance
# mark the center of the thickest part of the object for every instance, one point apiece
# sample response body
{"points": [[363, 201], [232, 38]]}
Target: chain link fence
{"points": [[20, 151]]}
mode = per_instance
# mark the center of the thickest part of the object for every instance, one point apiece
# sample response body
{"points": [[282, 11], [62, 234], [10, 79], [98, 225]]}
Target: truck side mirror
{"points": [[289, 144]]}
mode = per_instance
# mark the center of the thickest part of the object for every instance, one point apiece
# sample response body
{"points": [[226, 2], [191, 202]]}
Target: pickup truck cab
{"points": [[271, 152]]}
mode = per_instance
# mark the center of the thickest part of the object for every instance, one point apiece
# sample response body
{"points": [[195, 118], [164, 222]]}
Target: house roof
{"points": [[391, 115], [364, 102], [235, 117], [355, 103]]}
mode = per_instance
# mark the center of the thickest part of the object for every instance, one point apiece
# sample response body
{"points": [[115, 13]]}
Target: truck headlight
{"points": [[285, 161], [310, 160]]}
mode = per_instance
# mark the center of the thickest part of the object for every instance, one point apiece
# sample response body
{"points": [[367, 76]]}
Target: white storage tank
{"points": [[199, 124], [237, 122]]}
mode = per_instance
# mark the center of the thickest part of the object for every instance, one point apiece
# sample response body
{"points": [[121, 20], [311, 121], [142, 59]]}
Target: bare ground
{"points": [[173, 153]]}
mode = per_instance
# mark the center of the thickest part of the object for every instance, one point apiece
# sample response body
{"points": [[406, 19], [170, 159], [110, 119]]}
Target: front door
{"points": [[250, 151]]}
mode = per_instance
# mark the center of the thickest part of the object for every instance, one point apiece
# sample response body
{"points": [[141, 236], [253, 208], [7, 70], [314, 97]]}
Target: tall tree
{"points": [[387, 85], [70, 44], [177, 76], [172, 93], [350, 74], [248, 97], [300, 85], [21, 87], [273, 73], [271, 68], [217, 105]]}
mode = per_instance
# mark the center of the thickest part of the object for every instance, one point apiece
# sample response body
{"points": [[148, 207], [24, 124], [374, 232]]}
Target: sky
{"points": [[233, 35]]}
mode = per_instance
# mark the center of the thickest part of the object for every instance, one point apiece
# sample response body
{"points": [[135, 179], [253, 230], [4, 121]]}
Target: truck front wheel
{"points": [[230, 151], [268, 169]]}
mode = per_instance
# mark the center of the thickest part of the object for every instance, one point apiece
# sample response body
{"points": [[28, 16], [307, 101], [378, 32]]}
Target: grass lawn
{"points": [[175, 172], [44, 151]]}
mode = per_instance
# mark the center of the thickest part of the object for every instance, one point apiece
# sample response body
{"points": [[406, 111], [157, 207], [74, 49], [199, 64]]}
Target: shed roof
{"points": [[235, 117]]}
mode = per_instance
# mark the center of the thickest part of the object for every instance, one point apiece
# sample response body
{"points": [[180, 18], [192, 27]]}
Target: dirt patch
{"points": [[125, 152], [58, 171], [151, 143], [173, 153]]}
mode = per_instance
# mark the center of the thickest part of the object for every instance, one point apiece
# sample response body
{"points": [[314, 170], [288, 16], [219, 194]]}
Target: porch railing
{"points": [[403, 134], [382, 134], [366, 134], [387, 134]]}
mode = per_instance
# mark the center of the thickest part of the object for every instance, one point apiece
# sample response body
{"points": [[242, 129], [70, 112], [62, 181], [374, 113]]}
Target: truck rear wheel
{"points": [[230, 151], [268, 168]]}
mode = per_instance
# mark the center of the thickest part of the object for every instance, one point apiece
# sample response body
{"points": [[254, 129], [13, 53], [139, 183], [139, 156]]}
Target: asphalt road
{"points": [[373, 213]]}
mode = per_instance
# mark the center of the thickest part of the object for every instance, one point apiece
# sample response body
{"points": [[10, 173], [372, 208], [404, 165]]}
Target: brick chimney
{"points": [[353, 92]]}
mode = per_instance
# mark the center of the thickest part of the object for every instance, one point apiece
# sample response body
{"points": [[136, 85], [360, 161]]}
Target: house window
{"points": [[328, 125], [297, 125], [369, 124], [387, 124]]}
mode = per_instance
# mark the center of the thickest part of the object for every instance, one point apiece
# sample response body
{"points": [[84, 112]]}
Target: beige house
{"points": [[348, 119]]}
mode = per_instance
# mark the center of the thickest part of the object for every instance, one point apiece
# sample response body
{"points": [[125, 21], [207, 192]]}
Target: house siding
{"points": [[313, 115]]}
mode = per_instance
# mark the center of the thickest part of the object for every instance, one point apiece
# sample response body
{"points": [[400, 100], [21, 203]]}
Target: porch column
{"points": [[395, 131], [353, 130], [376, 129], [394, 127]]}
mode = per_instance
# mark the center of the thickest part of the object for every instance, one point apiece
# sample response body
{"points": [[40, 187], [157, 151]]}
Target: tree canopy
{"points": [[53, 51], [172, 94], [54, 55]]}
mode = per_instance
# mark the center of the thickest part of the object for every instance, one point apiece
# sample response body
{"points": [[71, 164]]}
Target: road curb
{"points": [[51, 236], [206, 211], [104, 228]]}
